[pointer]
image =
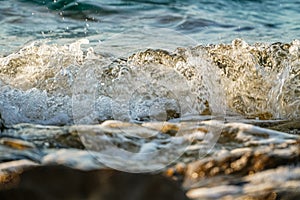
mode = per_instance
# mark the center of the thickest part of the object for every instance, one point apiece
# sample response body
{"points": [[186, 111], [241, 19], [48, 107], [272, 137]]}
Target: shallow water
{"points": [[154, 86]]}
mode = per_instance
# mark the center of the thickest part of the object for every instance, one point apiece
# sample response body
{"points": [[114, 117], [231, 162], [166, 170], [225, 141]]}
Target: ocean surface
{"points": [[205, 22], [206, 92]]}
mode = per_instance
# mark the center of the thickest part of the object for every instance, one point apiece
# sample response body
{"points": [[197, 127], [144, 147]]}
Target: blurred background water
{"points": [[205, 21]]}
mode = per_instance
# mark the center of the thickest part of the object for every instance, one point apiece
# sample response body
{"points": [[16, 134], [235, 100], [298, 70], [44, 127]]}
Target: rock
{"points": [[213, 193], [217, 160], [57, 182], [9, 172], [45, 136], [240, 162], [16, 143], [1, 124], [279, 183]]}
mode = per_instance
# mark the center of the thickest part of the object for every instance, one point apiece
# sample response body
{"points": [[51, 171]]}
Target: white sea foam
{"points": [[65, 84]]}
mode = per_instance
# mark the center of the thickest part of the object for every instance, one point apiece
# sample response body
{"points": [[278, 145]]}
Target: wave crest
{"points": [[256, 81]]}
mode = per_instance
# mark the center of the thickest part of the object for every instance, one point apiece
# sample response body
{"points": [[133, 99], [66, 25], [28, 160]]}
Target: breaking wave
{"points": [[64, 84]]}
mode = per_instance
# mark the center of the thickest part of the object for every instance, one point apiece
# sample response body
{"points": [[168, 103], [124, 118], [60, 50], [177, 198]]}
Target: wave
{"points": [[64, 84]]}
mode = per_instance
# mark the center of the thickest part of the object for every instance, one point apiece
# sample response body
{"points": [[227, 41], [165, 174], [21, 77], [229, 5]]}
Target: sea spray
{"points": [[256, 81]]}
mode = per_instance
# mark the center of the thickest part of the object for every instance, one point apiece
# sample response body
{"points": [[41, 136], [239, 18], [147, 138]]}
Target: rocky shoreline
{"points": [[247, 162]]}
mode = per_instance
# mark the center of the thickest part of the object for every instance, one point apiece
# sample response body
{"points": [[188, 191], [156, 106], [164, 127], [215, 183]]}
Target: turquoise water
{"points": [[203, 21]]}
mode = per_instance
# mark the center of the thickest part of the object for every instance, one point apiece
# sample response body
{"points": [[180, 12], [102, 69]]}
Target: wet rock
{"points": [[9, 154], [9, 172], [244, 150], [160, 140], [213, 193], [45, 136], [74, 158], [1, 123], [16, 143], [206, 156], [57, 182], [279, 183], [241, 162], [292, 127]]}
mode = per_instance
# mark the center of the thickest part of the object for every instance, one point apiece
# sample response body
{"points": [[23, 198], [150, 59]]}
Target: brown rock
{"points": [[57, 182]]}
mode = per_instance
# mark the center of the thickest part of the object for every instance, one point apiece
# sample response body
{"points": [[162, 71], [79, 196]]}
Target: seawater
{"points": [[89, 59], [205, 22]]}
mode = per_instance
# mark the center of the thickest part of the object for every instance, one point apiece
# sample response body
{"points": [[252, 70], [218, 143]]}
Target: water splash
{"points": [[256, 81]]}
